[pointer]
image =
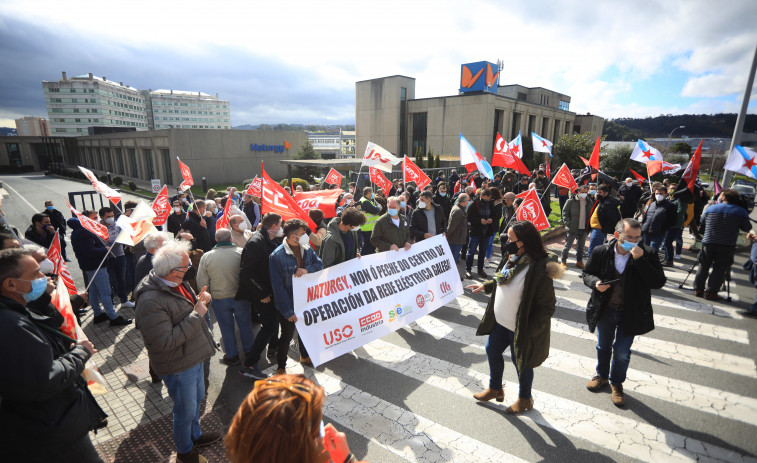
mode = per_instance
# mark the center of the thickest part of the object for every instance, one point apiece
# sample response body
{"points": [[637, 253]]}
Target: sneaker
{"points": [[579, 264], [226, 360], [305, 360], [253, 373], [618, 398], [677, 257], [564, 264], [120, 321], [207, 438], [597, 383], [272, 354], [468, 275], [127, 304], [191, 457], [712, 297], [698, 293], [103, 317]]}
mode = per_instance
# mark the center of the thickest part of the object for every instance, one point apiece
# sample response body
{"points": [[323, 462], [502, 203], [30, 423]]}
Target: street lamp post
{"points": [[670, 135]]}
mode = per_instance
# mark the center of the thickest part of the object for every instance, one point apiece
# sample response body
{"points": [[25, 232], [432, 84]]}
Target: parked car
{"points": [[747, 193]]}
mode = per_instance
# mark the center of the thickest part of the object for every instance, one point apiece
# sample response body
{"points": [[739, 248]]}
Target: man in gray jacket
{"points": [[178, 341], [391, 231], [457, 229], [341, 241], [575, 216]]}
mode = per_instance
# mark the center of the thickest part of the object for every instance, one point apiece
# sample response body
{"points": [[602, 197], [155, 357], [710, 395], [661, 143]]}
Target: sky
{"points": [[298, 61]]}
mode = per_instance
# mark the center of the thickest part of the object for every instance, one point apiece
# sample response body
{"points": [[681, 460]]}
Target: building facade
{"points": [[387, 113], [77, 103], [333, 145], [32, 127]]}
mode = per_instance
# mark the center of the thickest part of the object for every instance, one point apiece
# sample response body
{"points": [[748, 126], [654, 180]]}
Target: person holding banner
{"points": [[341, 241], [428, 220], [519, 313], [391, 231], [47, 410], [371, 209], [293, 258]]}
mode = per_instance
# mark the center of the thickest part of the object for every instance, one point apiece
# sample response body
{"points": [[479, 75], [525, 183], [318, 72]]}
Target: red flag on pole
{"points": [[564, 179], [530, 209], [692, 170], [223, 222], [638, 177], [186, 175], [60, 268], [95, 227], [594, 159], [275, 199], [62, 302], [586, 161], [255, 188], [380, 180], [112, 195], [162, 207], [546, 166], [325, 200], [503, 157], [333, 177], [411, 173]]}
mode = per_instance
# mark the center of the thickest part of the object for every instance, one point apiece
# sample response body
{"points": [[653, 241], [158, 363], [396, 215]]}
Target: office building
{"points": [[333, 145], [186, 110], [32, 127]]}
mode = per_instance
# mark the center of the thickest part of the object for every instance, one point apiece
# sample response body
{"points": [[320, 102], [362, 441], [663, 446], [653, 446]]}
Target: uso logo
{"points": [[338, 335]]}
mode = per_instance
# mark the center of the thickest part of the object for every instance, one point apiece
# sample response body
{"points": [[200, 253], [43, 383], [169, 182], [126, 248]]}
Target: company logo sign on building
{"points": [[274, 148], [478, 77]]}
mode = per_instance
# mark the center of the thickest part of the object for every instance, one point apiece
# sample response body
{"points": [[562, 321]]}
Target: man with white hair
{"points": [[240, 231], [153, 241], [178, 341], [219, 272]]}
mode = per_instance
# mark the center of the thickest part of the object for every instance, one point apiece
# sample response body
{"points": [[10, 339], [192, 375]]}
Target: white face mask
{"points": [[421, 204], [242, 226], [279, 233], [110, 220], [356, 228], [304, 240], [659, 197], [46, 267], [582, 195], [183, 200], [177, 209], [629, 184]]}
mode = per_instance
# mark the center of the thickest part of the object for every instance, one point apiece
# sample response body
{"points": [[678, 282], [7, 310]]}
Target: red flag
{"points": [[531, 209], [586, 161], [186, 175], [223, 222], [275, 199], [503, 157], [564, 179], [97, 228], [594, 159], [411, 173], [62, 302], [638, 177], [471, 167], [546, 166], [255, 187], [60, 267], [655, 167], [324, 200], [112, 195], [334, 177], [380, 180], [692, 170], [162, 207]]}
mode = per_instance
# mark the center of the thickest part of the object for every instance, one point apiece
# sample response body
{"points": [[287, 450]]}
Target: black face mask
{"points": [[190, 274], [512, 247]]}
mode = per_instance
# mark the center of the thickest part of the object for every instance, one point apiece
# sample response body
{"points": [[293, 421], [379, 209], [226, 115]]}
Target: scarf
{"points": [[514, 265]]}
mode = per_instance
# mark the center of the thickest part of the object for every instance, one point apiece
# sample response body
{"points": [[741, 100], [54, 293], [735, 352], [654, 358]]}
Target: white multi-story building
{"points": [[77, 103], [331, 145], [187, 110]]}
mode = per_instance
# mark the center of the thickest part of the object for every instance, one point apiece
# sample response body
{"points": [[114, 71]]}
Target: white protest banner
{"points": [[351, 304]]}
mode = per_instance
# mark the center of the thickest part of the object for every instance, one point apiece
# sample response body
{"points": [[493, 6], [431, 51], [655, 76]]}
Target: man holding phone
{"points": [[621, 274]]}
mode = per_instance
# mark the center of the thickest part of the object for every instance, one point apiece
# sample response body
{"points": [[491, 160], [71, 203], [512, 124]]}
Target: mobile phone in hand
{"points": [[611, 282]]}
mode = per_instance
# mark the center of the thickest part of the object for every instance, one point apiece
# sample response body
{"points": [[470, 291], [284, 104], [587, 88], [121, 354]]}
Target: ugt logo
{"points": [[338, 335]]}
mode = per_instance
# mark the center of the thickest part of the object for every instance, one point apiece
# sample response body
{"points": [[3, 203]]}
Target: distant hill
{"points": [[697, 126], [307, 127]]}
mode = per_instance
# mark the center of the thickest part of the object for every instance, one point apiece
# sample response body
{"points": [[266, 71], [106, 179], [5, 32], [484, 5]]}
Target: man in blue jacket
{"points": [[293, 258], [722, 223]]}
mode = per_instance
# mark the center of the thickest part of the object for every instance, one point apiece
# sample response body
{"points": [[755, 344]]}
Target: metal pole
{"points": [[742, 116]]}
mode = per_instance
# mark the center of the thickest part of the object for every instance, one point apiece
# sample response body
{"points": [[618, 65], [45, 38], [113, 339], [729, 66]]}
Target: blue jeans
{"points": [[456, 248], [476, 242], [117, 274], [99, 293], [227, 310], [131, 270], [490, 247], [654, 241], [187, 389], [597, 238], [674, 234], [612, 344], [500, 339]]}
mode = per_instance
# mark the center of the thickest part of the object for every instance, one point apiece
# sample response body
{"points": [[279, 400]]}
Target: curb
{"points": [[554, 233]]}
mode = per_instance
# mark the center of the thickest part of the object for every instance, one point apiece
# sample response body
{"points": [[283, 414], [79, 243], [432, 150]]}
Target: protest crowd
{"points": [[230, 254]]}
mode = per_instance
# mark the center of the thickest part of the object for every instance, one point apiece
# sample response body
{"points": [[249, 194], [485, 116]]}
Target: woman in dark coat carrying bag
{"points": [[519, 313]]}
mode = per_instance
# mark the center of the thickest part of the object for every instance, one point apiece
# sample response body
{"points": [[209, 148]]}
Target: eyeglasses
{"points": [[298, 389], [181, 269], [631, 239]]}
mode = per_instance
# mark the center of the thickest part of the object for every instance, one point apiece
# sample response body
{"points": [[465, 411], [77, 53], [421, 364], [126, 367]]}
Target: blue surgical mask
{"points": [[593, 192], [403, 204], [442, 193], [393, 212], [50, 208], [38, 288], [627, 245]]}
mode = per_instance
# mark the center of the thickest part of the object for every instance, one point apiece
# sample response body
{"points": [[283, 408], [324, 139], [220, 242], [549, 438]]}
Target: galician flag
{"points": [[642, 152], [743, 161], [516, 147], [541, 144], [469, 155]]}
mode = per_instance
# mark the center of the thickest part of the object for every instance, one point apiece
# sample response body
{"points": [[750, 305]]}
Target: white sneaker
{"points": [[677, 257], [127, 304]]}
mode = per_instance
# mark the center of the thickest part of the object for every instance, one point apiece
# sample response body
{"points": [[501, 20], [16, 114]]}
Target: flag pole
{"points": [[99, 267]]}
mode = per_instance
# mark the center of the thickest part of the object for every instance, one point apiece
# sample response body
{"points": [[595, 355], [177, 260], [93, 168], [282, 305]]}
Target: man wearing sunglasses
{"points": [[178, 340], [621, 274]]}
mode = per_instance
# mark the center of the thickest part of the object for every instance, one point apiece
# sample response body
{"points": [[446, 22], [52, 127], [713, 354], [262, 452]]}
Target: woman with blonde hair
{"points": [[281, 421]]}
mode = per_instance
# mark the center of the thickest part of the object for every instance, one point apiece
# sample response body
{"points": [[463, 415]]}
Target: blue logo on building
{"points": [[274, 148], [477, 77]]}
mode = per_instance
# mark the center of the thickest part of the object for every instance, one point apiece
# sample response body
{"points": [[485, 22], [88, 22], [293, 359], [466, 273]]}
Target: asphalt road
{"points": [[691, 391]]}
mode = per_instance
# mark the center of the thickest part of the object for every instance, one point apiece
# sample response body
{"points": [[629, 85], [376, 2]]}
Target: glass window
{"points": [[419, 132], [133, 158], [149, 164], [564, 105], [164, 153]]}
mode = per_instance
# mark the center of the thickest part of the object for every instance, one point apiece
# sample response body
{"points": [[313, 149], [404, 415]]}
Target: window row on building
{"points": [[141, 163]]}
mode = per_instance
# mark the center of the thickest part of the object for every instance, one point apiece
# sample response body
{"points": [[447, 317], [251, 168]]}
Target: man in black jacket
{"points": [[176, 219], [659, 216], [255, 286], [40, 231], [59, 224], [195, 224], [603, 217], [621, 275], [443, 199], [481, 215], [47, 410], [428, 219], [629, 198]]}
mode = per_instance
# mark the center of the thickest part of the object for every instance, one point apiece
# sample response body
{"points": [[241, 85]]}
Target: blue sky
{"points": [[298, 61]]}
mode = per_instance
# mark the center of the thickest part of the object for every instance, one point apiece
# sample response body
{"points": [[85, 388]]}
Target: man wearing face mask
{"points": [[239, 232], [576, 210], [177, 217], [346, 202], [659, 216], [340, 243], [621, 275], [196, 224], [255, 287], [629, 198], [371, 209], [47, 410], [293, 258], [443, 199], [392, 230], [59, 224], [117, 258], [457, 230], [40, 231], [508, 217], [603, 217], [172, 322], [480, 213], [428, 219]]}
